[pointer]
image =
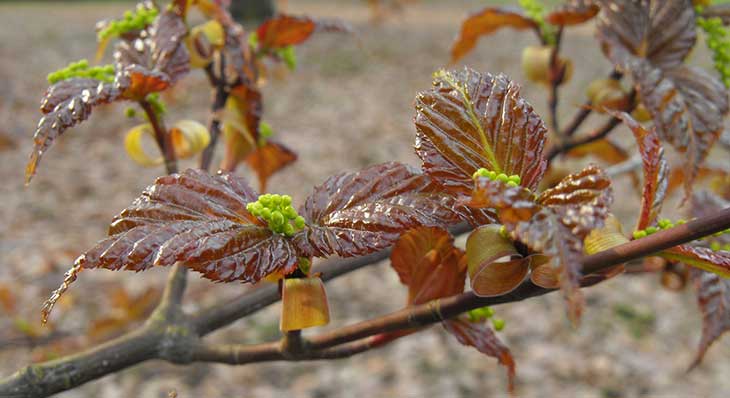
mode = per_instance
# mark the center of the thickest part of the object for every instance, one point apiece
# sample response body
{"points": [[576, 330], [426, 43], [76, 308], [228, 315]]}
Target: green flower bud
{"points": [[715, 246], [498, 324], [512, 184], [285, 200], [650, 230], [275, 200], [289, 229], [277, 218], [640, 234], [266, 214], [290, 212], [299, 222], [502, 177]]}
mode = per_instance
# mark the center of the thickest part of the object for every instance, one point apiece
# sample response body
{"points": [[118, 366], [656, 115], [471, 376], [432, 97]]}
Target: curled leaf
{"points": [[485, 22], [428, 263], [288, 30], [471, 120], [495, 266], [133, 144]]}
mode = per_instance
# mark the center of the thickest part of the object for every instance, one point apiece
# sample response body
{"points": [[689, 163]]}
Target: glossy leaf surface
{"points": [[358, 213], [199, 220], [473, 120], [485, 22]]}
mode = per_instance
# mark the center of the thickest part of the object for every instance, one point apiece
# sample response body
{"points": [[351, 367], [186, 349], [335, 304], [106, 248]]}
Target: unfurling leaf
{"points": [[485, 22], [241, 124], [303, 304], [713, 297], [480, 336], [495, 266], [354, 214], [573, 12], [656, 171], [471, 120], [428, 263], [189, 137], [268, 159]]}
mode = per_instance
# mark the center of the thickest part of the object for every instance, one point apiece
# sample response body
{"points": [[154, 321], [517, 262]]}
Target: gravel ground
{"points": [[348, 105]]}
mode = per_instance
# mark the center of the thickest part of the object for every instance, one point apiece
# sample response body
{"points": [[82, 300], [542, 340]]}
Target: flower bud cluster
{"points": [[662, 224], [278, 212], [717, 38], [484, 313], [512, 181], [81, 69], [138, 19]]}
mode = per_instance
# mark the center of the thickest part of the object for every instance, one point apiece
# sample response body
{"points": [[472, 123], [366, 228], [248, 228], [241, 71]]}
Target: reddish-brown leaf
{"points": [[581, 200], [359, 213], [471, 120], [713, 297], [480, 336], [662, 32], [485, 22], [285, 30], [513, 204], [573, 12], [64, 110], [269, 159], [199, 220], [428, 263], [656, 171]]}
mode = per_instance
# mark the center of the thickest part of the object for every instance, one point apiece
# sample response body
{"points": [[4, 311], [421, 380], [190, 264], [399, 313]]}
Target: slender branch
{"points": [[595, 136], [557, 76], [222, 90], [584, 111], [164, 140]]}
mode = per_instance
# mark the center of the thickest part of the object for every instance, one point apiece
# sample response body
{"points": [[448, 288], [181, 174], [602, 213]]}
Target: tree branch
{"points": [[177, 341]]}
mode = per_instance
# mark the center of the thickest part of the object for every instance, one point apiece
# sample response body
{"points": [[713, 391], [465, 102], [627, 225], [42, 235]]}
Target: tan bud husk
{"points": [[189, 137], [536, 64], [606, 94], [304, 304], [495, 267], [605, 238]]}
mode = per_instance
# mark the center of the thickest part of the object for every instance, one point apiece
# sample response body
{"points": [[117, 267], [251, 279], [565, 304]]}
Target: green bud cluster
{"points": [[137, 20], [484, 313], [253, 40], [664, 223], [512, 181], [278, 212], [265, 132], [717, 38], [536, 11], [81, 69]]}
